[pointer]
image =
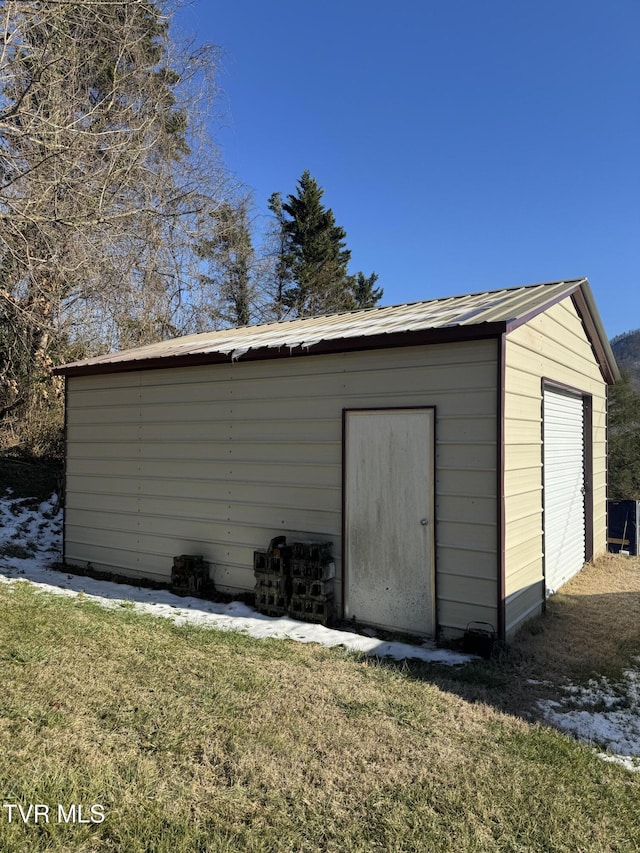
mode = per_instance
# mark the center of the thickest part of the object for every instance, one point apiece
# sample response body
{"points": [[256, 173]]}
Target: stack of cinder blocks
{"points": [[297, 579], [312, 580], [190, 575], [271, 571]]}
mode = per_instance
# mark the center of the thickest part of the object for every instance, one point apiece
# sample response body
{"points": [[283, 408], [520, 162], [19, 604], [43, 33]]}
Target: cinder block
{"points": [[270, 603], [311, 587], [312, 552], [260, 561], [272, 581], [190, 574], [311, 609], [271, 561], [312, 570]]}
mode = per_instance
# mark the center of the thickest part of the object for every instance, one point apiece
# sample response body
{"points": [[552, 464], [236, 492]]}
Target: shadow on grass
{"points": [[589, 630]]}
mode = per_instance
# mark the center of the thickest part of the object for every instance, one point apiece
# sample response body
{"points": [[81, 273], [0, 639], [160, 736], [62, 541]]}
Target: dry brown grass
{"points": [[592, 626]]}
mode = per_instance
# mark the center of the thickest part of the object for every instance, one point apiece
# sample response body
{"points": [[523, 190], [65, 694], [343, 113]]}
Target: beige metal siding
{"points": [[219, 459], [553, 345]]}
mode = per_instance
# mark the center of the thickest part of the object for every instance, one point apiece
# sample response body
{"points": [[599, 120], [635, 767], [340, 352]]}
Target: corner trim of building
{"points": [[500, 503], [63, 496]]}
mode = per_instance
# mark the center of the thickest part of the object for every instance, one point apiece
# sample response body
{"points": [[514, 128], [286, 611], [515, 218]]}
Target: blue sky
{"points": [[463, 145]]}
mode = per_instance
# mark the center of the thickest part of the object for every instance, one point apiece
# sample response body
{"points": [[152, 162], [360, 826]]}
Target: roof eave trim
{"points": [[586, 307], [447, 334], [580, 293], [570, 289]]}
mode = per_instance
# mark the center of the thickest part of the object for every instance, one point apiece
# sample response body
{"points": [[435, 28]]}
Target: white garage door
{"points": [[563, 487]]}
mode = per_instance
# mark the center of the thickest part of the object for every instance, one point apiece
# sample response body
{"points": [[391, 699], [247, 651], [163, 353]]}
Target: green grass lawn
{"points": [[197, 740]]}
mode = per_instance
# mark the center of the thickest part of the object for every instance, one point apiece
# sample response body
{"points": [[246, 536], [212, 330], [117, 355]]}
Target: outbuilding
{"points": [[452, 450]]}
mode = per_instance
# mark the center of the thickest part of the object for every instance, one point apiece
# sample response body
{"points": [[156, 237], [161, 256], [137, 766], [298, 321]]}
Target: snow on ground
{"points": [[602, 713], [30, 539]]}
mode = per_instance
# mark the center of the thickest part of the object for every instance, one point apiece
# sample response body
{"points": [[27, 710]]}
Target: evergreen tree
{"points": [[312, 265], [624, 440], [364, 293], [626, 349], [318, 256]]}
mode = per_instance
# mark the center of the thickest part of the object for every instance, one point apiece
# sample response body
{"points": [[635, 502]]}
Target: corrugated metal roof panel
{"points": [[473, 309]]}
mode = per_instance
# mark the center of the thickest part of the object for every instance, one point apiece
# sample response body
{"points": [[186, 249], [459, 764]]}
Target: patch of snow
{"points": [[41, 531], [616, 723], [627, 761]]}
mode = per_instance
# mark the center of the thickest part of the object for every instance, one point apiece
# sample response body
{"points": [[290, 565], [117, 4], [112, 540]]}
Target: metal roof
{"points": [[489, 312]]}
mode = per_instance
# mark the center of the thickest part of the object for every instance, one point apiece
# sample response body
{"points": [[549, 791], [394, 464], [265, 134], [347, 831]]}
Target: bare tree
{"points": [[229, 287], [105, 179]]}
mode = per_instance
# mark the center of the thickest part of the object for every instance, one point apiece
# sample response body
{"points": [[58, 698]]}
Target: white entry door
{"points": [[563, 487], [389, 519]]}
